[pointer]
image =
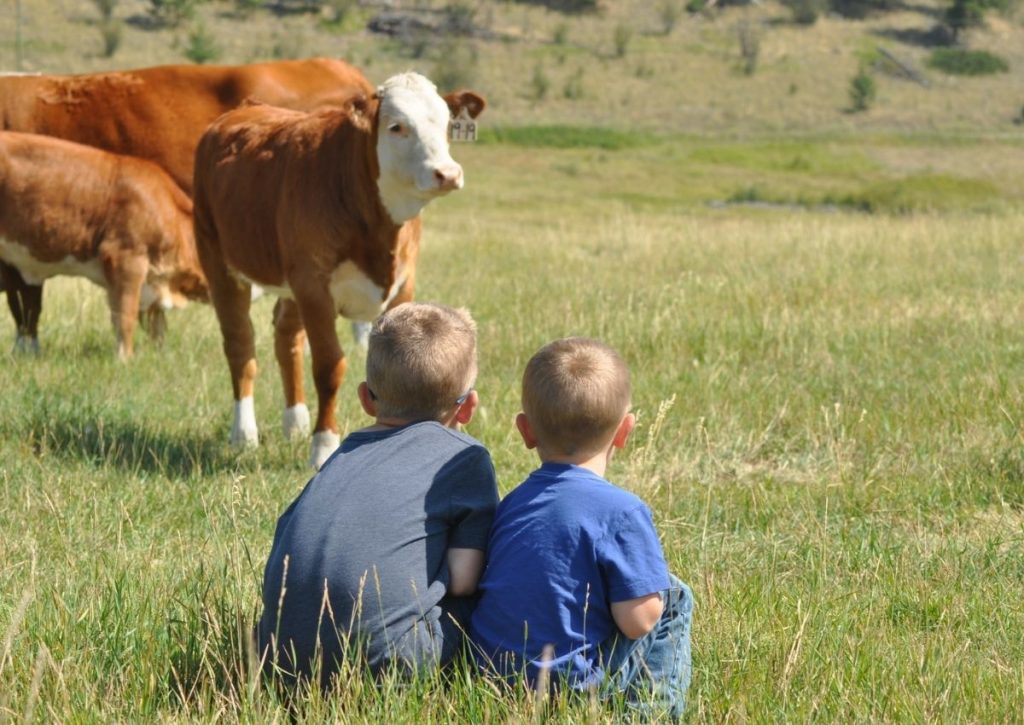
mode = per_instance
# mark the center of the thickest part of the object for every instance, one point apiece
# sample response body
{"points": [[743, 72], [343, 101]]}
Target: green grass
{"points": [[962, 62], [830, 438]]}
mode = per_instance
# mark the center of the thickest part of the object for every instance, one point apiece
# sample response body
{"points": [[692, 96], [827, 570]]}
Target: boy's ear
{"points": [[464, 413], [525, 431], [622, 432], [366, 400]]}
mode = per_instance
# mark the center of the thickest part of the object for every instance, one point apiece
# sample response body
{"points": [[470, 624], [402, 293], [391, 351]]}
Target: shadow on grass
{"points": [[111, 438], [213, 648], [934, 37]]}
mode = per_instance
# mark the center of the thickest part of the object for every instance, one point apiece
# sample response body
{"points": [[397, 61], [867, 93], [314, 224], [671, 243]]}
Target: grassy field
{"points": [[823, 311], [830, 437]]}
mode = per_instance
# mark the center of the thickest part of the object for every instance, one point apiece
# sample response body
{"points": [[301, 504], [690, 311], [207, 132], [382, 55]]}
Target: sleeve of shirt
{"points": [[630, 557], [474, 498]]}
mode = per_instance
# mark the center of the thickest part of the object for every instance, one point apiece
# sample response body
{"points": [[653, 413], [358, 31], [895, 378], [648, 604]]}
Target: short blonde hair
{"points": [[421, 360], [575, 393]]}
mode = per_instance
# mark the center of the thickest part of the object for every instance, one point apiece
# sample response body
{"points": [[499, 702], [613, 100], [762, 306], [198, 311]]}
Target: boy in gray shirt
{"points": [[381, 552]]}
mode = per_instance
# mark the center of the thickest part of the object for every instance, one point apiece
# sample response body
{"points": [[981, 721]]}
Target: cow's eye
{"points": [[397, 128]]}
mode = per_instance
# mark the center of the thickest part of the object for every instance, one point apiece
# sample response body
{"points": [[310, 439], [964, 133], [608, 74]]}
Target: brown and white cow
{"points": [[322, 209], [154, 113], [119, 221]]}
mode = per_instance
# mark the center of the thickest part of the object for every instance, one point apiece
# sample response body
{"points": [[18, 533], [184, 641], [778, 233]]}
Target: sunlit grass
{"points": [[830, 438]]}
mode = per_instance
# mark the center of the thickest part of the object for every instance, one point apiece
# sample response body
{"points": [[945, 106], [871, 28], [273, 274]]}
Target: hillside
{"points": [[541, 67]]}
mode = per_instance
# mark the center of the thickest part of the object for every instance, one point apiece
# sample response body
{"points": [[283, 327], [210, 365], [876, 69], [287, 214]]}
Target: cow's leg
{"points": [[125, 278], [289, 345], [26, 304], [231, 300], [154, 319], [318, 314]]}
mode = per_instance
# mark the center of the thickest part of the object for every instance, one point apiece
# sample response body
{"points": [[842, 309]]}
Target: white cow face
{"points": [[412, 146]]}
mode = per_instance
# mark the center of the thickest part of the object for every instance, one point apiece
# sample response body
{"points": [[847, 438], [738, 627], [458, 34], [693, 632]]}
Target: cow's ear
{"points": [[472, 102], [359, 110]]}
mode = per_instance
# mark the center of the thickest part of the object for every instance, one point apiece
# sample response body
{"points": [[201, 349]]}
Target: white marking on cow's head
{"points": [[412, 146]]}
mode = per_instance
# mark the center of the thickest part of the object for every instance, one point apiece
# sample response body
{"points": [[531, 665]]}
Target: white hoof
{"points": [[361, 333], [296, 421], [25, 345], [324, 444], [244, 433]]}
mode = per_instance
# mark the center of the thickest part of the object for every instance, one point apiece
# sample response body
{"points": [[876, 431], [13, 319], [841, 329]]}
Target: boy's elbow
{"points": [[637, 617], [461, 589]]}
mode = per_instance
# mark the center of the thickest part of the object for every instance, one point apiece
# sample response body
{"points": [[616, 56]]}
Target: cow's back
{"points": [[63, 198], [53, 194], [159, 113]]}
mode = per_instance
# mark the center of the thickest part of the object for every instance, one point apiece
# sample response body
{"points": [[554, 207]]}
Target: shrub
{"points": [[573, 88], [805, 12], [338, 11], [621, 37], [202, 46], [539, 83], [695, 6], [244, 8], [455, 66], [669, 12], [561, 34], [958, 61], [110, 31], [172, 13], [750, 45], [459, 17], [862, 91], [964, 14], [105, 8], [862, 8]]}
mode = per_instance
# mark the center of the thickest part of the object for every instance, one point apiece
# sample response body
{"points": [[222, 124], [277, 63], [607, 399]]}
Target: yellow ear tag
{"points": [[463, 127]]}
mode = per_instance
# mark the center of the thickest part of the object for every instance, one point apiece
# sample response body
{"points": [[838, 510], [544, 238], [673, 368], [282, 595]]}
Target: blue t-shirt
{"points": [[565, 544], [361, 553]]}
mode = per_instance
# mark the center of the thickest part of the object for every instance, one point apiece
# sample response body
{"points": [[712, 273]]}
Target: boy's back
{"points": [[385, 545], [373, 528], [588, 543]]}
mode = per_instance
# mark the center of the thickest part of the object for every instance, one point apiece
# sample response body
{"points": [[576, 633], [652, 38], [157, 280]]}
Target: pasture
{"points": [[830, 437]]}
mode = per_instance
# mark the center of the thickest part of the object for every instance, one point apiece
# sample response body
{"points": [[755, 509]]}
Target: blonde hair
{"points": [[421, 360], [575, 393]]}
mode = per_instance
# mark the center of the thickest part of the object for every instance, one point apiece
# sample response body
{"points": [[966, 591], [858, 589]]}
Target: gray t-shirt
{"points": [[362, 550]]}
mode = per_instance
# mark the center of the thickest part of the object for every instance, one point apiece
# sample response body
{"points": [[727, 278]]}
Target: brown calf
{"points": [[119, 221], [321, 209]]}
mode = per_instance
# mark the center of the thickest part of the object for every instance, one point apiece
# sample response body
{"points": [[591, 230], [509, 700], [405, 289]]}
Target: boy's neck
{"points": [[391, 423], [598, 462]]}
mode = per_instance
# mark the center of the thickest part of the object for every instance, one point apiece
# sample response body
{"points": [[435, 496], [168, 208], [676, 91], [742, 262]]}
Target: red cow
{"points": [[157, 114], [321, 209], [119, 221]]}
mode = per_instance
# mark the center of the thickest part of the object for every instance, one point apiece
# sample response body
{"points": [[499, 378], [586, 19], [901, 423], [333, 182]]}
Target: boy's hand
{"points": [[637, 617], [464, 569]]}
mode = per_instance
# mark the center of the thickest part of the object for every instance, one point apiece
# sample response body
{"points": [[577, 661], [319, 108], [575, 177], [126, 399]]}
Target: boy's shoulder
{"points": [[581, 490], [427, 433]]}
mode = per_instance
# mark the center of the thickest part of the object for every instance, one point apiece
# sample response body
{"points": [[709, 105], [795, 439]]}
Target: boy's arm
{"points": [[464, 569], [637, 617], [474, 499]]}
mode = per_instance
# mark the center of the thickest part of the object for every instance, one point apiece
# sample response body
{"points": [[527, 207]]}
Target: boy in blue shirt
{"points": [[381, 552], [573, 561]]}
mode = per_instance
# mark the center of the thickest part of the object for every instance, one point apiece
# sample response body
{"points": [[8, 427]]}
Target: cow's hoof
{"points": [[244, 438], [25, 345], [296, 421], [324, 444], [244, 433], [361, 334]]}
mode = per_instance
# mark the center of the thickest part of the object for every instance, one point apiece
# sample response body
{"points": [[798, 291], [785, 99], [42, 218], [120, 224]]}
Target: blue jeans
{"points": [[653, 672]]}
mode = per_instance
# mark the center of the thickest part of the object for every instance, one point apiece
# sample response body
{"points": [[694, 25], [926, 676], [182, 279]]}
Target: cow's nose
{"points": [[449, 177]]}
